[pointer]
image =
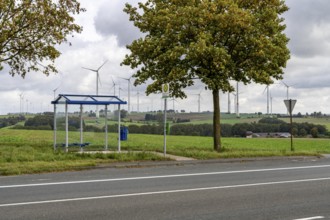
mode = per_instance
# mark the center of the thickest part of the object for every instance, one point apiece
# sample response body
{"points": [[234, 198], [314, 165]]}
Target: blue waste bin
{"points": [[123, 133]]}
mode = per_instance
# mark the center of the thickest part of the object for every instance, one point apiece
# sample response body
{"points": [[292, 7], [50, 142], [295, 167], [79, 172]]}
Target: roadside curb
{"points": [[140, 164]]}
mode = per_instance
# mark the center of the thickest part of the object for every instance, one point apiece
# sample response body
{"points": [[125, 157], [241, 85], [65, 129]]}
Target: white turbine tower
{"points": [[199, 101], [97, 83], [119, 89], [235, 106], [271, 103], [237, 100], [129, 93], [173, 103], [21, 97], [287, 89], [268, 97], [113, 86], [138, 101], [229, 103]]}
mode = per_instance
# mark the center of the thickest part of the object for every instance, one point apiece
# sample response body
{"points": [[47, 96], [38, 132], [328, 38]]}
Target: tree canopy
{"points": [[215, 41], [30, 30]]}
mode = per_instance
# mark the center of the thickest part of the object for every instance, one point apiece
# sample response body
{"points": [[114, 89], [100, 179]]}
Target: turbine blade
{"points": [[102, 65], [89, 69], [123, 78], [113, 82], [264, 90]]}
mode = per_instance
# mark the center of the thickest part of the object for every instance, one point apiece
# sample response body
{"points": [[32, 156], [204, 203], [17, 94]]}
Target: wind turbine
{"points": [[235, 106], [129, 92], [27, 106], [97, 83], [54, 90], [271, 103], [229, 103], [21, 97], [113, 86], [237, 100], [138, 101], [199, 101], [119, 89], [287, 89], [173, 102], [267, 88]]}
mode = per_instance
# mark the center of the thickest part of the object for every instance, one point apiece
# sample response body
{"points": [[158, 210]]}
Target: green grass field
{"points": [[29, 151]]}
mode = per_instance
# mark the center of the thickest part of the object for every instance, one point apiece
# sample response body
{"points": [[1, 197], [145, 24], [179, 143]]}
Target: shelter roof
{"points": [[88, 100]]}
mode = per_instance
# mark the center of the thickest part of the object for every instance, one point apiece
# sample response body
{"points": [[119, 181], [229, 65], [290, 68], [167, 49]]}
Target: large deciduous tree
{"points": [[215, 41], [30, 31]]}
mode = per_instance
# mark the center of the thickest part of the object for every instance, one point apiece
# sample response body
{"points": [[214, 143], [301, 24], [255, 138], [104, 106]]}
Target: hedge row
{"points": [[12, 120]]}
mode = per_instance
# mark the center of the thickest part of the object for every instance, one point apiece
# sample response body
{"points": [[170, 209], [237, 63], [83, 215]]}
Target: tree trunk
{"points": [[216, 121]]}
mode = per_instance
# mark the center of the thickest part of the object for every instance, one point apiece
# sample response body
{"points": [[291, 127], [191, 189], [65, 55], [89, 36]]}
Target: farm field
{"points": [[31, 151]]}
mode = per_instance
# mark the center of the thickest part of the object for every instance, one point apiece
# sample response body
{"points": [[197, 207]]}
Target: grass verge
{"points": [[23, 152]]}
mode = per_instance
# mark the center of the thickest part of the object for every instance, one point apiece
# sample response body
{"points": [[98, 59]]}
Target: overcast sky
{"points": [[107, 31]]}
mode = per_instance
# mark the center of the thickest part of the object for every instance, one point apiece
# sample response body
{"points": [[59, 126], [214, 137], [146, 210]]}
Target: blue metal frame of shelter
{"points": [[70, 99]]}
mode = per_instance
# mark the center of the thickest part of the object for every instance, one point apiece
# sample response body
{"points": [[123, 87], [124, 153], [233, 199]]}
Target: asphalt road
{"points": [[271, 189]]}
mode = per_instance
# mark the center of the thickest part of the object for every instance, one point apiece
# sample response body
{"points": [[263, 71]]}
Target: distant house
{"points": [[250, 134]]}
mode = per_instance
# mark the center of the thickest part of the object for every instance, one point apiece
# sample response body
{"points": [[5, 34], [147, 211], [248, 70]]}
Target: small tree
{"points": [[315, 132], [294, 131], [302, 132], [30, 30]]}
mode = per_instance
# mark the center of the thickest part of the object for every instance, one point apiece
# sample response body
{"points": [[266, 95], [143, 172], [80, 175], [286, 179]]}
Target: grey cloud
{"points": [[111, 20], [304, 19]]}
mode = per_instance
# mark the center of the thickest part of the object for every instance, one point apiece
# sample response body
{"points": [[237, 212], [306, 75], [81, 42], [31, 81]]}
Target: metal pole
{"points": [[165, 110], [237, 100], [106, 127], [81, 127], [97, 93], [290, 109], [55, 148], [66, 128], [119, 128], [267, 100]]}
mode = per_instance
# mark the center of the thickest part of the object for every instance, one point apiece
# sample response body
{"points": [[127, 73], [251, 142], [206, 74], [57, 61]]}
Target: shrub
{"points": [[314, 132]]}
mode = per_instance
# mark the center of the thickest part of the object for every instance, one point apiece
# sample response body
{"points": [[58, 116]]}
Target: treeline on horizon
{"points": [[264, 125]]}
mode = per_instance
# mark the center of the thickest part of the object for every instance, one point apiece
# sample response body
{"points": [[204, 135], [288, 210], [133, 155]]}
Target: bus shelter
{"points": [[83, 100]]}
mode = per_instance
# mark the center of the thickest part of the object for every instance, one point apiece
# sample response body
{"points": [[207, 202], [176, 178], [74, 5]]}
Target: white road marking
{"points": [[161, 192], [310, 218], [164, 176]]}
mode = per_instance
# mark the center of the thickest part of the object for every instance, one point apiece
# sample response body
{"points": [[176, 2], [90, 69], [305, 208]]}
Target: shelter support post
{"points": [[119, 129], [81, 128], [55, 128], [66, 128], [106, 127]]}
